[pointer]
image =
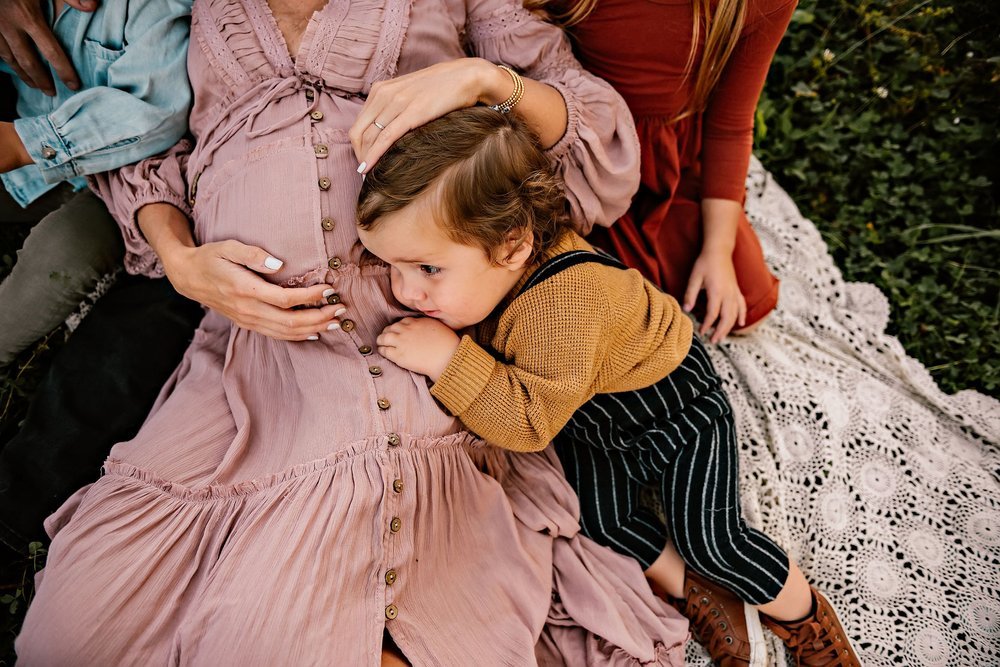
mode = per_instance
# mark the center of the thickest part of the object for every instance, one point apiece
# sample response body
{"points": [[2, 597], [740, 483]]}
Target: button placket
{"points": [[393, 508]]}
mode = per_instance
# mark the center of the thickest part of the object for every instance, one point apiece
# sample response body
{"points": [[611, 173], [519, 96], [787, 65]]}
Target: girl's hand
{"points": [[401, 104], [714, 272], [419, 344]]}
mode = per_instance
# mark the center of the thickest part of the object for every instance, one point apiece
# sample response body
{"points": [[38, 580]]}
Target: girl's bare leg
{"points": [[794, 601], [667, 572]]}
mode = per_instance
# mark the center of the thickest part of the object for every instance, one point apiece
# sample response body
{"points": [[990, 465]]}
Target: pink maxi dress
{"points": [[287, 503]]}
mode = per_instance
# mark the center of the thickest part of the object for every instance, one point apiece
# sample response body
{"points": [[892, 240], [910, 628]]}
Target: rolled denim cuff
{"points": [[47, 148]]}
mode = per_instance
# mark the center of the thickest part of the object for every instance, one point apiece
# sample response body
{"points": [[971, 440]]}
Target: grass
{"points": [[880, 118]]}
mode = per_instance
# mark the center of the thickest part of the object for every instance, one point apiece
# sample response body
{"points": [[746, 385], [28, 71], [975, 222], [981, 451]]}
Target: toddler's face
{"points": [[451, 282]]}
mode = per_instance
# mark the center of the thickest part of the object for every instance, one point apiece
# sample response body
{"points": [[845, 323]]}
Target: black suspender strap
{"points": [[564, 261]]}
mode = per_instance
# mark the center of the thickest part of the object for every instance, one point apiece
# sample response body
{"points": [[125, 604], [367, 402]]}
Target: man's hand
{"points": [[28, 45], [419, 344]]}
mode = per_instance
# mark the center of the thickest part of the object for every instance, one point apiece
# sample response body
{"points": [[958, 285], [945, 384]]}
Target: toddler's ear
{"points": [[520, 246]]}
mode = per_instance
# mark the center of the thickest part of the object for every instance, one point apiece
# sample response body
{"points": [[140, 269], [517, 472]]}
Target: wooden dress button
{"points": [[365, 349], [316, 115], [393, 440], [397, 485], [326, 224], [347, 325], [335, 263], [383, 403], [333, 299], [391, 612], [375, 370], [395, 524], [324, 183]]}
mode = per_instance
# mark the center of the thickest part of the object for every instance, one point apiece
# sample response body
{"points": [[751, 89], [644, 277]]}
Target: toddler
{"points": [[561, 344]]}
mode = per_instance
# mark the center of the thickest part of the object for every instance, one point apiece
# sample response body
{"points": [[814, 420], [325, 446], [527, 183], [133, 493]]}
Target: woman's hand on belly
{"points": [[223, 276]]}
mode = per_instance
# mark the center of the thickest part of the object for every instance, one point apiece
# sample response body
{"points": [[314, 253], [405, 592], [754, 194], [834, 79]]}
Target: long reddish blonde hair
{"points": [[722, 30]]}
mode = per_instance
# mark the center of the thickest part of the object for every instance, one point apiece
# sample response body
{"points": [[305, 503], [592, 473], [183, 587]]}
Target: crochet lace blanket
{"points": [[885, 489]]}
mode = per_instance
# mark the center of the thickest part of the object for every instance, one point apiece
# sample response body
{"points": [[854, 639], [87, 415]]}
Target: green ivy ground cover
{"points": [[880, 119]]}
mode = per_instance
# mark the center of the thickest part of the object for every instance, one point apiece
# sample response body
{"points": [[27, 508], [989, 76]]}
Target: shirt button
{"points": [[310, 94], [393, 439], [383, 403], [391, 612], [316, 115], [326, 224], [347, 326], [365, 349], [333, 299], [335, 263], [375, 370], [397, 485], [395, 524], [321, 150], [48, 152], [390, 577], [324, 183]]}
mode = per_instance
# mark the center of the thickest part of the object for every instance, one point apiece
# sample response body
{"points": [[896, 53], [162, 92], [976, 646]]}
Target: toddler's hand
{"points": [[714, 272], [419, 344]]}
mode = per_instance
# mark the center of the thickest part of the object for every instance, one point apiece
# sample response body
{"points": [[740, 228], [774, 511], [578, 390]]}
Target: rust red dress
{"points": [[641, 48]]}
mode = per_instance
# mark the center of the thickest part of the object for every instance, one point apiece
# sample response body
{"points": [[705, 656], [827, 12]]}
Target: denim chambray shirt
{"points": [[131, 57]]}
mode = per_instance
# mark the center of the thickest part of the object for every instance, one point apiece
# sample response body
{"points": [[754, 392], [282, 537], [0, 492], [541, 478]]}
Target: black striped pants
{"points": [[679, 435]]}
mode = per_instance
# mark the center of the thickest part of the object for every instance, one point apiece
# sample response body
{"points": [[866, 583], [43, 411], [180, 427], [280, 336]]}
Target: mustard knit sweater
{"points": [[589, 329]]}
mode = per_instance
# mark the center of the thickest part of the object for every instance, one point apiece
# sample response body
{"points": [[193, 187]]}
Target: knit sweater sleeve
{"points": [[555, 345]]}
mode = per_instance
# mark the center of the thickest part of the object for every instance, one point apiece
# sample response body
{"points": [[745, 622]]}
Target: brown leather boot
{"points": [[818, 640], [728, 628]]}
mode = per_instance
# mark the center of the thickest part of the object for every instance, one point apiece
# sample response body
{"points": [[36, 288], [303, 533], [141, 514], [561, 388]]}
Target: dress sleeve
{"points": [[158, 179], [598, 156], [162, 178], [727, 134]]}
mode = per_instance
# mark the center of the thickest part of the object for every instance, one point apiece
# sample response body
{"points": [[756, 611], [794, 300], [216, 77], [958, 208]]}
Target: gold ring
{"points": [[378, 125]]}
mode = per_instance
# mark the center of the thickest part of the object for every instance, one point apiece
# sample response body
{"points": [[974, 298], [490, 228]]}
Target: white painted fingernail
{"points": [[273, 263], [361, 167], [333, 326], [328, 292], [313, 337], [340, 311]]}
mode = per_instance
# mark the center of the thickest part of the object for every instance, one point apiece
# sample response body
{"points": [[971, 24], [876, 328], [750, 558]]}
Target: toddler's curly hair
{"points": [[490, 177]]}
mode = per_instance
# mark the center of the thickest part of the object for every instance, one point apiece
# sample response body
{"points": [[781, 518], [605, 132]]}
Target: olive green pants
{"points": [[72, 244]]}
